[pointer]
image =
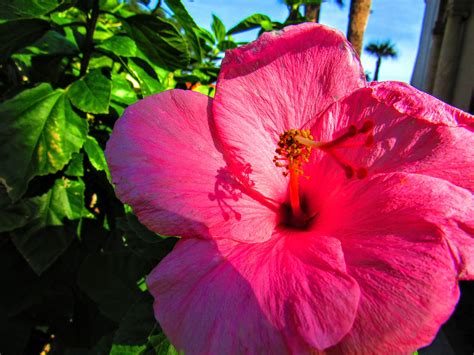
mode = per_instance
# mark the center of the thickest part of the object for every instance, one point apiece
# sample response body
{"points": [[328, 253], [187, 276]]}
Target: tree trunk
{"points": [[359, 15], [377, 68], [293, 13], [311, 12]]}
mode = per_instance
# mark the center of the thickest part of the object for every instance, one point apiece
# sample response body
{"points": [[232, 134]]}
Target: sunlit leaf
{"points": [[108, 5], [91, 93], [218, 28], [162, 345], [127, 349], [205, 89], [39, 132], [252, 22], [187, 22], [122, 46], [122, 91], [76, 165], [98, 62], [160, 40], [146, 77], [96, 155]]}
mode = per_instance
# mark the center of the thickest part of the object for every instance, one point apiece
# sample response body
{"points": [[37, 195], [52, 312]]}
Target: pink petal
{"points": [[278, 82], [413, 132], [166, 165], [386, 202], [287, 295], [396, 232], [412, 102], [408, 289]]}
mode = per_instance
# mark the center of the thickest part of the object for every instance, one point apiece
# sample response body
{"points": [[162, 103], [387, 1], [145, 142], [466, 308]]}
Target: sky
{"points": [[400, 21]]}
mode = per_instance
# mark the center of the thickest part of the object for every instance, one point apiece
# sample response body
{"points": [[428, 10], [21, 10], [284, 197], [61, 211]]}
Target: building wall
{"points": [[421, 65], [445, 60]]}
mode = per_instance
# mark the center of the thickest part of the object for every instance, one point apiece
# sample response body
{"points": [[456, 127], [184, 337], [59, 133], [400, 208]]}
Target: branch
{"points": [[89, 43]]}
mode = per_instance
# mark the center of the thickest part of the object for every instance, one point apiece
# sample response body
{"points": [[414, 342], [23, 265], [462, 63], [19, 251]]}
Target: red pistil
{"points": [[294, 149], [295, 195]]}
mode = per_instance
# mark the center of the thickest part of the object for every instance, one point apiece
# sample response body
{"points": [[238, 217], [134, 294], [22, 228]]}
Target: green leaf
{"points": [[110, 279], [103, 346], [91, 93], [187, 22], [16, 9], [146, 77], [162, 345], [131, 224], [76, 165], [267, 25], [159, 40], [206, 36], [122, 46], [141, 231], [39, 132], [127, 349], [122, 91], [15, 333], [143, 242], [195, 76], [250, 23], [108, 5], [118, 108], [47, 234], [225, 45], [101, 61], [205, 89], [137, 324], [96, 155], [15, 35], [52, 43], [14, 216], [218, 28]]}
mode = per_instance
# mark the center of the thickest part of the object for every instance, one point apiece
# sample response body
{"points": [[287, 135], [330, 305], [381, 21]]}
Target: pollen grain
{"points": [[291, 153]]}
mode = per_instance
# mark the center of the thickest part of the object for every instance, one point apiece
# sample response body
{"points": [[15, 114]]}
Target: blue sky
{"points": [[400, 21]]}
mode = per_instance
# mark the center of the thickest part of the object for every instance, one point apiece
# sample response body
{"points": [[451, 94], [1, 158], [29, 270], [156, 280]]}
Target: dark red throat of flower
{"points": [[294, 150]]}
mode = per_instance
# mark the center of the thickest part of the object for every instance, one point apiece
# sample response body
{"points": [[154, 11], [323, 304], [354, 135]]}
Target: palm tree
{"points": [[358, 17], [312, 9], [381, 50], [294, 9]]}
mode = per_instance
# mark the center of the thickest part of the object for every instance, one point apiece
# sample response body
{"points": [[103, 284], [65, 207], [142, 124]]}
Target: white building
{"points": [[445, 62]]}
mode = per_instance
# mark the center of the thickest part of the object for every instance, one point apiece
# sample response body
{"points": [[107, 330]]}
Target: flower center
{"points": [[291, 155], [294, 150]]}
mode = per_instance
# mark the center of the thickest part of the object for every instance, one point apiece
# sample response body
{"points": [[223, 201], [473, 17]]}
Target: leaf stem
{"points": [[89, 44]]}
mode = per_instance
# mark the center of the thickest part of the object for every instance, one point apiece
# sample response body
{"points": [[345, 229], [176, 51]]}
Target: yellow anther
{"points": [[293, 151]]}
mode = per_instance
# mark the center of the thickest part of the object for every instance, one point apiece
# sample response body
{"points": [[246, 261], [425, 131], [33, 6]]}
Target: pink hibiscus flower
{"points": [[318, 213]]}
